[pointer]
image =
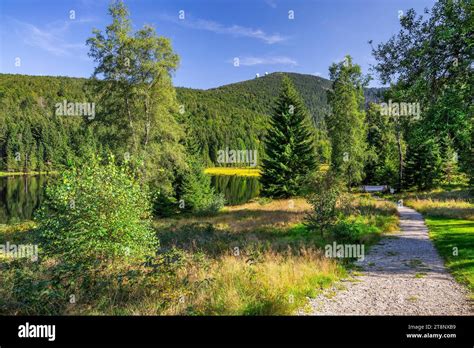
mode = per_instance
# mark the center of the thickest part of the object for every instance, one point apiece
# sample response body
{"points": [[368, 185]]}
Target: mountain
{"points": [[236, 115], [233, 116]]}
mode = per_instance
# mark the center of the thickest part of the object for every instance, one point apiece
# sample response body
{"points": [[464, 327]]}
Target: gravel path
{"points": [[402, 275]]}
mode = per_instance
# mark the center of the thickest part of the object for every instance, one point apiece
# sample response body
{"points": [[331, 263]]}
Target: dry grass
{"points": [[275, 284], [248, 217], [20, 232], [448, 208], [277, 266]]}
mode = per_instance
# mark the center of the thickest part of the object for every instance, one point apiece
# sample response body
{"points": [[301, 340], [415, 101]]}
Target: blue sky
{"points": [[212, 34]]}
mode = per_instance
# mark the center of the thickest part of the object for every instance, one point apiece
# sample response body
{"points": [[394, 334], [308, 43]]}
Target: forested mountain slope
{"points": [[234, 116]]}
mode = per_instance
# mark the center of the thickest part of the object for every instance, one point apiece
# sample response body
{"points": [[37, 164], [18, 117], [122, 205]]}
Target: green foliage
{"points": [[325, 196], [346, 121], [234, 116], [97, 214], [382, 155], [450, 164], [32, 136], [136, 99], [197, 194], [238, 114], [290, 153], [423, 165], [470, 165], [346, 231], [430, 61], [164, 205]]}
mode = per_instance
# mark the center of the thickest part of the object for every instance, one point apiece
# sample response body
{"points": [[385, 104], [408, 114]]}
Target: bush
{"points": [[97, 213], [326, 193], [346, 231]]}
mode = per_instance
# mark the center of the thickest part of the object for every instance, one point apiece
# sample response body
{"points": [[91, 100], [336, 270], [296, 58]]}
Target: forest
{"points": [[132, 219], [207, 114]]}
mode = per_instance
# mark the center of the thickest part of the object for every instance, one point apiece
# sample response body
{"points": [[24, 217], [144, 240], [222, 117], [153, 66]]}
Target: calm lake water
{"points": [[236, 189], [20, 196]]}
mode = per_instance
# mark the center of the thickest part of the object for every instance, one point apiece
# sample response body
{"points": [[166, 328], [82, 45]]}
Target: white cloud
{"points": [[271, 3], [50, 38], [281, 60], [234, 30]]}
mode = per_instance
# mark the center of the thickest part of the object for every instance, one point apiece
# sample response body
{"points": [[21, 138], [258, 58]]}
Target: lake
{"points": [[20, 196], [236, 189]]}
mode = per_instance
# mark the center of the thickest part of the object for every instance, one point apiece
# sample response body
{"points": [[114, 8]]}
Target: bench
{"points": [[375, 188]]}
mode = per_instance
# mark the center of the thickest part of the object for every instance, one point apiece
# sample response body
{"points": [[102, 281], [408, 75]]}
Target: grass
{"points": [[285, 258], [451, 208], [253, 216], [449, 216], [454, 239], [254, 259]]}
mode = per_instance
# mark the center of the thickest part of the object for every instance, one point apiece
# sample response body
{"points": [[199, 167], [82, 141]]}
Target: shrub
{"points": [[346, 231], [326, 193], [97, 213]]}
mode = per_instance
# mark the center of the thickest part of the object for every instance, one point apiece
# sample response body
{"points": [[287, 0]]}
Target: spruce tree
{"points": [[424, 161], [471, 161], [290, 153]]}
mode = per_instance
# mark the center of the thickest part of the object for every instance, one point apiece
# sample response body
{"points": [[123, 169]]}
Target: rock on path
{"points": [[402, 275]]}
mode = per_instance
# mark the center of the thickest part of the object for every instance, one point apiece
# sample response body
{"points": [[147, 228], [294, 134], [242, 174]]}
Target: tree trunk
{"points": [[147, 124], [400, 161]]}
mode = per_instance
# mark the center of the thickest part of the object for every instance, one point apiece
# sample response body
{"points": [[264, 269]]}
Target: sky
{"points": [[47, 37]]}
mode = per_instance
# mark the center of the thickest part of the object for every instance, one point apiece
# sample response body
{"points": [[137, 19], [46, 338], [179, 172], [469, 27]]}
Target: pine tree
{"points": [[424, 160], [449, 165], [290, 153], [471, 160], [382, 160]]}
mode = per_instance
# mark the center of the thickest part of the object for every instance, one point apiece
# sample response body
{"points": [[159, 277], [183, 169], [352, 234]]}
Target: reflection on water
{"points": [[20, 196], [236, 189]]}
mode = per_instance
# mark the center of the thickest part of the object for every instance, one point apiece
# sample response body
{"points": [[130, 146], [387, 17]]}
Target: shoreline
{"points": [[32, 173]]}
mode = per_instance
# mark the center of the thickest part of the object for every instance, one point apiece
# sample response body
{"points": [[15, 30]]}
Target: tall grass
{"points": [[257, 260], [449, 208]]}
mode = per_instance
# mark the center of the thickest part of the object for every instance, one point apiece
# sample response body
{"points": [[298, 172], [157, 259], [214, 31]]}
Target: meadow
{"points": [[254, 259]]}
